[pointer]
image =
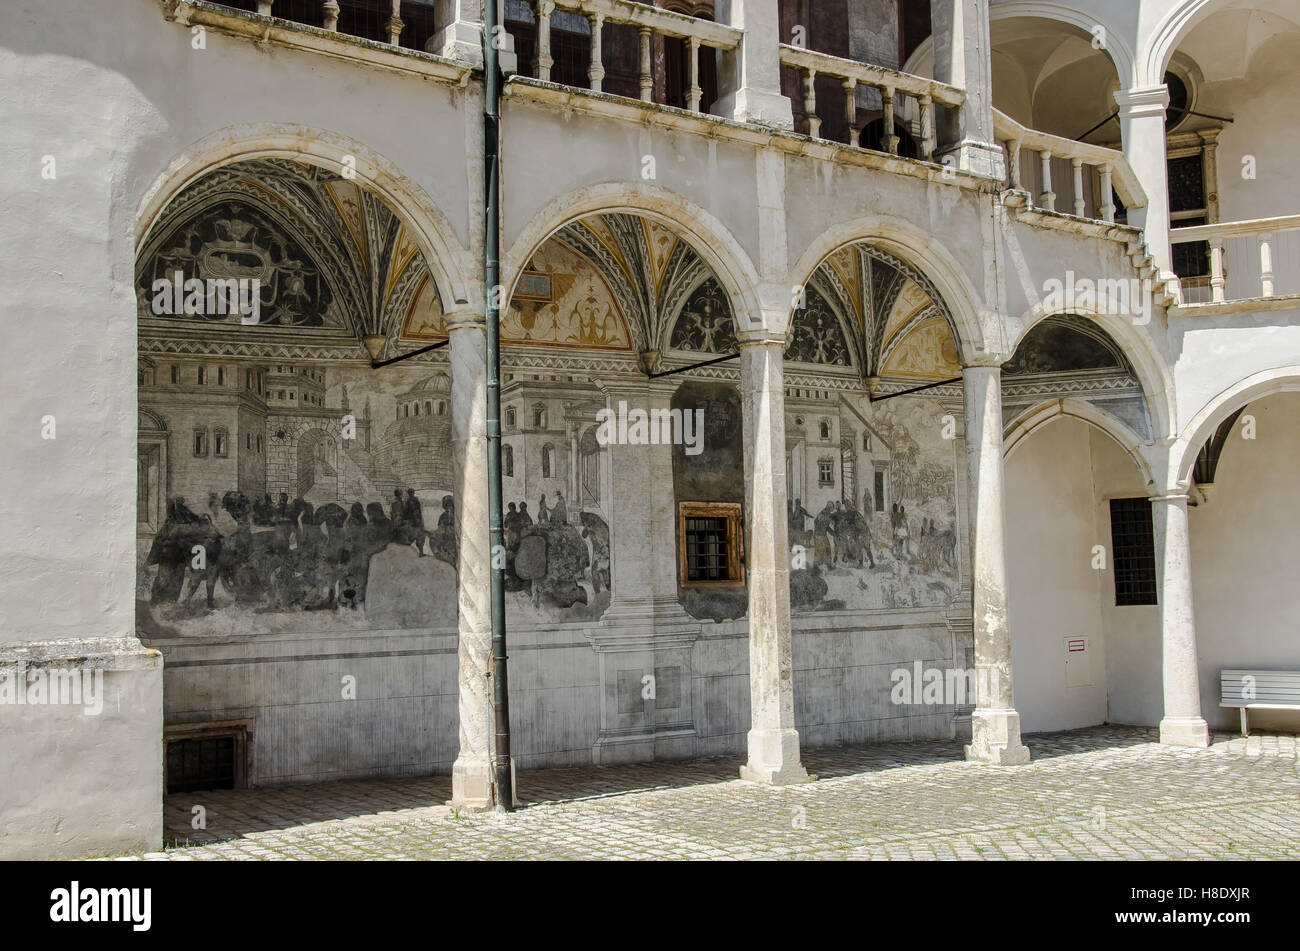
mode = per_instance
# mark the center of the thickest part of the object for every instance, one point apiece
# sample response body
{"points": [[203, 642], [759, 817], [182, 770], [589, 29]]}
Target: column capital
{"points": [[988, 362], [759, 337], [465, 320], [1180, 494], [1144, 101]]}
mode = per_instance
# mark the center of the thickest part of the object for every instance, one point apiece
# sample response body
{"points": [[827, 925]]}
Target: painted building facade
{"points": [[833, 342]]}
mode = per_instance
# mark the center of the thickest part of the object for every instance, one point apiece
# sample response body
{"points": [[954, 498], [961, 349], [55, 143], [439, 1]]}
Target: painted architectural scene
{"points": [[319, 498], [872, 504]]}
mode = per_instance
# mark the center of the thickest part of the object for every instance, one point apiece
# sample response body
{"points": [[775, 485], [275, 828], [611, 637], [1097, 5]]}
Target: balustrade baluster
{"points": [[850, 110], [1107, 194], [1079, 204], [395, 23], [1266, 265], [695, 93], [264, 7], [329, 11], [1048, 198], [1216, 269], [927, 128], [542, 61], [596, 73], [1013, 163], [647, 76], [887, 107], [810, 103]]}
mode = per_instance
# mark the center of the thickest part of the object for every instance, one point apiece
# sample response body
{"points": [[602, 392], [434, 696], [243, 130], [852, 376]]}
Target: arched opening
{"points": [[1244, 526], [298, 470], [1084, 614], [1224, 103], [875, 486]]}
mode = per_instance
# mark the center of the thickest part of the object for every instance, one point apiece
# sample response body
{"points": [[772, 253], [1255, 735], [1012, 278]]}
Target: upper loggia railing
{"points": [[649, 22], [900, 94], [1248, 260], [1096, 173]]}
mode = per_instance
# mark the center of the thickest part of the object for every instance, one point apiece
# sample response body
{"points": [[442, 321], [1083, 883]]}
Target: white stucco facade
{"points": [[1004, 466]]}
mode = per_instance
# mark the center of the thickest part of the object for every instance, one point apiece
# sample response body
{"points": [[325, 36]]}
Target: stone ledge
{"points": [[104, 653], [1247, 305]]}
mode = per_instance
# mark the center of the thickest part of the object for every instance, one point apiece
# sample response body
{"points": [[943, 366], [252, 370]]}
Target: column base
{"points": [[471, 785], [756, 106], [774, 758], [995, 738], [1185, 731], [978, 158]]}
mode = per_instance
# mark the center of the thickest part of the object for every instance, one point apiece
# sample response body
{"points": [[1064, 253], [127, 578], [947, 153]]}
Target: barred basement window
{"points": [[710, 544], [1134, 548], [201, 756], [825, 471]]}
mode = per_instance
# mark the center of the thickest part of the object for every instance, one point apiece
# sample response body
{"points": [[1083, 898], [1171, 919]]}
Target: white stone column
{"points": [[749, 78], [1182, 724], [471, 784], [995, 725], [1142, 125], [773, 740], [962, 59], [643, 516]]}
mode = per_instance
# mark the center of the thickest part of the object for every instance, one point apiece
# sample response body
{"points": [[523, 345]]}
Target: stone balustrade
{"points": [[381, 21], [1252, 259], [895, 90], [1093, 197], [649, 22]]}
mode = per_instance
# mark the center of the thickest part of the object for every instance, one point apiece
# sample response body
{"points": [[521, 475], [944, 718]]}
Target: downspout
{"points": [[502, 780]]}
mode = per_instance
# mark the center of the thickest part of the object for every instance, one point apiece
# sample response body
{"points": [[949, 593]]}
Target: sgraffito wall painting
{"points": [[287, 487], [296, 498], [872, 504]]}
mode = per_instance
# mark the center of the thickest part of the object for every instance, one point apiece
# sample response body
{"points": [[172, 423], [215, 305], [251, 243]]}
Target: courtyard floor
{"points": [[1100, 793]]}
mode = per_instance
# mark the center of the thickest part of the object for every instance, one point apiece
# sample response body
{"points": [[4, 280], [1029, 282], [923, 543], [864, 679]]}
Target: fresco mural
{"points": [[285, 486], [323, 499], [872, 504]]}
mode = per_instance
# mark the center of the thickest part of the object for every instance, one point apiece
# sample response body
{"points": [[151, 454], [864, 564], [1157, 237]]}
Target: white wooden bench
{"points": [[1259, 690]]}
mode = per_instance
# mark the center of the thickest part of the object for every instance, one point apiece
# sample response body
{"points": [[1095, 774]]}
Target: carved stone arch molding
{"points": [[453, 268], [869, 309], [326, 258], [1067, 357]]}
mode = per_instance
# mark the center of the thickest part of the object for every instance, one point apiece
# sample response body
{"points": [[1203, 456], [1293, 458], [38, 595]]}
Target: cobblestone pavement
{"points": [[1100, 793]]}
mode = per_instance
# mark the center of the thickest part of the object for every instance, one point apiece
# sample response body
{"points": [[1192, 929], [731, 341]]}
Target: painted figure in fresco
{"points": [[898, 523], [798, 523], [415, 521], [524, 517], [559, 511], [542, 514], [444, 539], [264, 511], [822, 535], [857, 536], [596, 532]]}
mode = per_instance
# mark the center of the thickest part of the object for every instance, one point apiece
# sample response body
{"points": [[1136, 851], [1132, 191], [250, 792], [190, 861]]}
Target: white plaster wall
{"points": [[1245, 548], [1054, 591], [1132, 632], [1212, 353]]}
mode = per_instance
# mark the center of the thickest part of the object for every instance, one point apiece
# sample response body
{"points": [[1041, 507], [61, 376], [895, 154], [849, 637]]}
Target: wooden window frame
{"points": [[733, 512]]}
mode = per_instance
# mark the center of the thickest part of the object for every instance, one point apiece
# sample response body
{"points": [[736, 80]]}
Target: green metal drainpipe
{"points": [[503, 781]]}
